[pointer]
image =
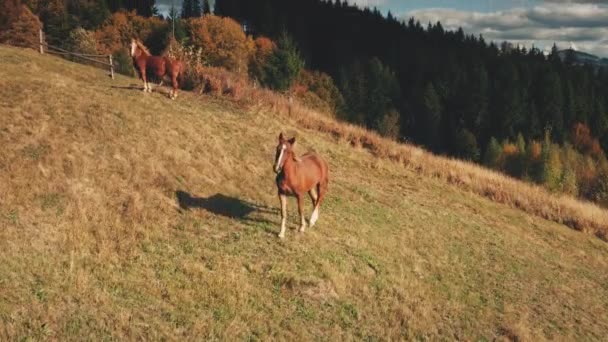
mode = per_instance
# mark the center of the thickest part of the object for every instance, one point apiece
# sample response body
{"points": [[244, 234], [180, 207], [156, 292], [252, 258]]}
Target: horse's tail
{"points": [[182, 71]]}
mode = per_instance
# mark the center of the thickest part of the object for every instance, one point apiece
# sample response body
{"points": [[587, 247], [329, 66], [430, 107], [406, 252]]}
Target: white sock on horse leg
{"points": [[314, 217]]}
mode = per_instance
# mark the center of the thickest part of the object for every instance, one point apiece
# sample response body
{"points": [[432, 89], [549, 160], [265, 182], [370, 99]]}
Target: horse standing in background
{"points": [[296, 176], [145, 63]]}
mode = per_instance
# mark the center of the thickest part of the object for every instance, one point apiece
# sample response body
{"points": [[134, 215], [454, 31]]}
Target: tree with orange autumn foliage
{"points": [[584, 142], [264, 47], [18, 25], [121, 27], [223, 42], [318, 90]]}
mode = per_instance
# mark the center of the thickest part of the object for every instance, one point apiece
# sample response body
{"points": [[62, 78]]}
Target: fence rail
{"points": [[88, 57]]}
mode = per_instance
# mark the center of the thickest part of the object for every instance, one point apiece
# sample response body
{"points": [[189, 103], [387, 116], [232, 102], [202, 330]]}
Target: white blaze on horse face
{"points": [[279, 162], [133, 47]]}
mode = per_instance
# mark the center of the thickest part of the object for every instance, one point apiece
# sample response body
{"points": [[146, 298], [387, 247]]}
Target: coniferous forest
{"points": [[445, 85]]}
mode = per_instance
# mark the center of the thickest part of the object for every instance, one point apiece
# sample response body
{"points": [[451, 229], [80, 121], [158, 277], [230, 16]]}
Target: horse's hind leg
{"points": [[173, 95], [314, 196], [321, 190]]}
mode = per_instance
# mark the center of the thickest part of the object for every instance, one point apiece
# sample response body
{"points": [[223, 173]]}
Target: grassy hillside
{"points": [[125, 215]]}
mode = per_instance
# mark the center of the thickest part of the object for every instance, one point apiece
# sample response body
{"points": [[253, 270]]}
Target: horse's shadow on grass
{"points": [[131, 86], [222, 205], [155, 88]]}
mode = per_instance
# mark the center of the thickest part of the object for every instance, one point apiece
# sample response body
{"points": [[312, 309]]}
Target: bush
{"points": [[534, 161], [599, 189], [551, 167], [123, 63], [584, 142], [465, 145], [193, 60], [264, 47], [388, 125], [492, 155], [568, 182], [318, 91], [83, 41]]}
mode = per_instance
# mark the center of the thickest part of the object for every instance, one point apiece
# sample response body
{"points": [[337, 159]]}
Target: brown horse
{"points": [[144, 62], [298, 175]]}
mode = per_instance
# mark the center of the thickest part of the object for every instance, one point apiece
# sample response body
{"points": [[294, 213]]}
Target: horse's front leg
{"points": [[143, 78], [300, 198], [283, 199], [315, 204]]}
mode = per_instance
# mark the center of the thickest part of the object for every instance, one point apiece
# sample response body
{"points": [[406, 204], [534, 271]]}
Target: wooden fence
{"points": [[105, 60]]}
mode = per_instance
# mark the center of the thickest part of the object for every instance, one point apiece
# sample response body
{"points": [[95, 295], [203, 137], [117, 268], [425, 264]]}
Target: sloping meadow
{"points": [[125, 215]]}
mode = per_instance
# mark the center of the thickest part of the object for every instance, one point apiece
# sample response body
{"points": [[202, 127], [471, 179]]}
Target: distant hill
{"points": [[582, 58]]}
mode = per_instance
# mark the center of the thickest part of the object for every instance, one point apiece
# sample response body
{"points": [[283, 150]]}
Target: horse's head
{"points": [[138, 48], [133, 47], [284, 151]]}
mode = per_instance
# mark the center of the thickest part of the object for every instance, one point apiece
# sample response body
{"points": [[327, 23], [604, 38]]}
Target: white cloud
{"points": [[565, 23]]}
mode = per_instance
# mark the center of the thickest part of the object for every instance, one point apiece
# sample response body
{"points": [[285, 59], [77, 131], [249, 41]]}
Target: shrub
{"points": [[492, 155], [551, 167], [388, 125], [123, 63], [264, 47], [568, 182], [465, 145], [219, 81], [193, 60], [320, 92], [584, 142], [599, 191], [83, 41], [534, 161]]}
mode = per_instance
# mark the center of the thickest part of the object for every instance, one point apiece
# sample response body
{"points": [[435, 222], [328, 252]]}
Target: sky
{"points": [[578, 24]]}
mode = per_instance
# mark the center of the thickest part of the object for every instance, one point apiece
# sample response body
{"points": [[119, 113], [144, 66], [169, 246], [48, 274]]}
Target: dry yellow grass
{"points": [[95, 244], [572, 212]]}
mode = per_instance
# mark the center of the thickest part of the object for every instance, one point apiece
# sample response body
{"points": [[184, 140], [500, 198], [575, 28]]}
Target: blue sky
{"points": [[404, 6], [580, 24]]}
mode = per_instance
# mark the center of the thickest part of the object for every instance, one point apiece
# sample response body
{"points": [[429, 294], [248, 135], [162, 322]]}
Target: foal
{"points": [[297, 176], [143, 61]]}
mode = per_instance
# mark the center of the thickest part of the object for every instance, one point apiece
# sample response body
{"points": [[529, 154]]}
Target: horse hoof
{"points": [[281, 236]]}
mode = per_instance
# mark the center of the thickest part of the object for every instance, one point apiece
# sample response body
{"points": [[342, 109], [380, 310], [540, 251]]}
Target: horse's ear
{"points": [[292, 141], [281, 137]]}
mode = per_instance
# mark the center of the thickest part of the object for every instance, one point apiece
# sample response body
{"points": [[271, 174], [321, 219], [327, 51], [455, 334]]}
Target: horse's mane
{"points": [[142, 47]]}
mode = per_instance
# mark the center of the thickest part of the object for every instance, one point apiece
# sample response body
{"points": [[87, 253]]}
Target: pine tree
{"points": [[492, 154], [191, 9], [206, 7], [283, 65]]}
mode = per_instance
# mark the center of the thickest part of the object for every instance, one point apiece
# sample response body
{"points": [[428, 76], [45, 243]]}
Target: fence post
{"points": [[111, 66], [41, 35]]}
